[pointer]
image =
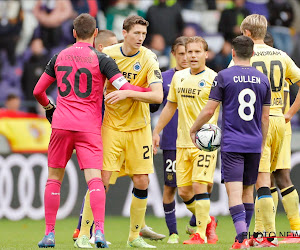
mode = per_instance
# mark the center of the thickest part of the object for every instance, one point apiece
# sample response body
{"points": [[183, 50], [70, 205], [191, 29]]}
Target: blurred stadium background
{"points": [[31, 31]]}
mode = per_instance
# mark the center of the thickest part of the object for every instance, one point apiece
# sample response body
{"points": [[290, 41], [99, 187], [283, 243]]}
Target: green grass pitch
{"points": [[26, 233]]}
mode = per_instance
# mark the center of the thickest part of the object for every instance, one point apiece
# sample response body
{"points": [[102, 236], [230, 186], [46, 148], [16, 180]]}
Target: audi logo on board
{"points": [[27, 188]]}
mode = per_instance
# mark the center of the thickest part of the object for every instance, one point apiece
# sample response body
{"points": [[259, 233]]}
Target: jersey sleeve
{"points": [[154, 73], [292, 71], [172, 91], [216, 92], [286, 87], [50, 70], [108, 66]]}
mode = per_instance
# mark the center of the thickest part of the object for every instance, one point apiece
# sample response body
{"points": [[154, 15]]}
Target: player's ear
{"points": [[247, 33], [74, 33], [206, 54], [124, 32], [233, 53], [100, 47], [96, 32]]}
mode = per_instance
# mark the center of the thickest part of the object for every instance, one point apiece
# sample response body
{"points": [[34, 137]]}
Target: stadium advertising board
{"points": [[23, 178]]}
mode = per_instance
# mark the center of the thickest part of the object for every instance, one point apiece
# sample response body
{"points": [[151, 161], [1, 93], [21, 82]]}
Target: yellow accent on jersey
{"points": [[278, 66], [191, 93], [141, 69], [288, 127]]}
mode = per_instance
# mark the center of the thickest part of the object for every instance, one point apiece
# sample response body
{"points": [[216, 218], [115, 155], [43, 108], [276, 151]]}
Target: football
{"points": [[208, 138]]}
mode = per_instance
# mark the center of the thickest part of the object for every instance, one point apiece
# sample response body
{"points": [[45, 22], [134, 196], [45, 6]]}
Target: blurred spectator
{"points": [[231, 19], [116, 14], [12, 103], [258, 7], [53, 16], [210, 60], [192, 29], [165, 19], [224, 57], [85, 6], [33, 69], [157, 45], [11, 20], [281, 19]]}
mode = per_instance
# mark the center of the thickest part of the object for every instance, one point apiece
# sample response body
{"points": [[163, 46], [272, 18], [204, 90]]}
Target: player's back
{"points": [[277, 66], [245, 91], [80, 88]]}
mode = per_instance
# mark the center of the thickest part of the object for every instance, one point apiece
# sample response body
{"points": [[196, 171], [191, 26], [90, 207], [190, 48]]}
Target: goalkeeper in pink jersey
{"points": [[80, 72]]}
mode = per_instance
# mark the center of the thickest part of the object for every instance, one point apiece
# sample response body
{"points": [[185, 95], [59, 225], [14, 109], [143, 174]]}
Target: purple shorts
{"points": [[169, 157], [240, 167]]}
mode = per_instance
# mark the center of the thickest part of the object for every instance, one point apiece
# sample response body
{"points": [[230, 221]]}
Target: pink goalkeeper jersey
{"points": [[80, 71]]}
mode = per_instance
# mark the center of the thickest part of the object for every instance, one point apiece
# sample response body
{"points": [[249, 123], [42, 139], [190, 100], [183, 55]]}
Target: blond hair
{"points": [[256, 24], [197, 39]]}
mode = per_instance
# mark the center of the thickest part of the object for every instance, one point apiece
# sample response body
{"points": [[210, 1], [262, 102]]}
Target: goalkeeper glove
{"points": [[49, 109]]}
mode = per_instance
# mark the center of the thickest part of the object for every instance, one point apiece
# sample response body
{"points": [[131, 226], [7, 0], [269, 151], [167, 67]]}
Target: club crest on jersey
{"points": [[137, 66], [202, 83]]}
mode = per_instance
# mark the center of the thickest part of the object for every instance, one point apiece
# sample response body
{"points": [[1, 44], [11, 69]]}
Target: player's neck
{"points": [[90, 41], [129, 50], [195, 71], [239, 62], [259, 41]]}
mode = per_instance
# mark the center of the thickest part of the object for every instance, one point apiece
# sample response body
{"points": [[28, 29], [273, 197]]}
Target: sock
{"points": [[190, 205], [87, 217], [202, 207], [80, 216], [267, 210], [274, 194], [170, 217], [290, 201], [144, 221], [51, 200], [97, 202], [137, 212], [238, 215], [258, 226], [249, 208], [193, 221]]}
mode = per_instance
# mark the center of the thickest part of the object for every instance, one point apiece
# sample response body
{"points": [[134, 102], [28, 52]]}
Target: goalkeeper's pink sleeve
{"points": [[119, 82], [39, 91]]}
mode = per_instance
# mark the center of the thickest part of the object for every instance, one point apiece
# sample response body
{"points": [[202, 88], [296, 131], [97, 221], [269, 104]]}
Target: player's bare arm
{"points": [[264, 124], [164, 118], [154, 96], [203, 118], [294, 108]]}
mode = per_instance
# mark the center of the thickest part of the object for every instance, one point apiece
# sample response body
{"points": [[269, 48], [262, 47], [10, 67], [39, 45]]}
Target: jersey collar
{"points": [[128, 56]]}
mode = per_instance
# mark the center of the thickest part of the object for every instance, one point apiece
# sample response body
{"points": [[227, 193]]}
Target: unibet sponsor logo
{"points": [[188, 92]]}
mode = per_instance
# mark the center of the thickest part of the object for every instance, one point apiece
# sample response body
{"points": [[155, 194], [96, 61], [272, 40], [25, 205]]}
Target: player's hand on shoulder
{"points": [[117, 96], [155, 142], [49, 110]]}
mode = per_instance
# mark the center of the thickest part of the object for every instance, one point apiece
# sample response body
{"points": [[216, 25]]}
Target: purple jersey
{"points": [[243, 91], [169, 136]]}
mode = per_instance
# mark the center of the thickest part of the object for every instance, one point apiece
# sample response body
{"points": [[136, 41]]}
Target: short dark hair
{"points": [[197, 39], [84, 25], [243, 47], [12, 96], [178, 41], [269, 39], [132, 20]]}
